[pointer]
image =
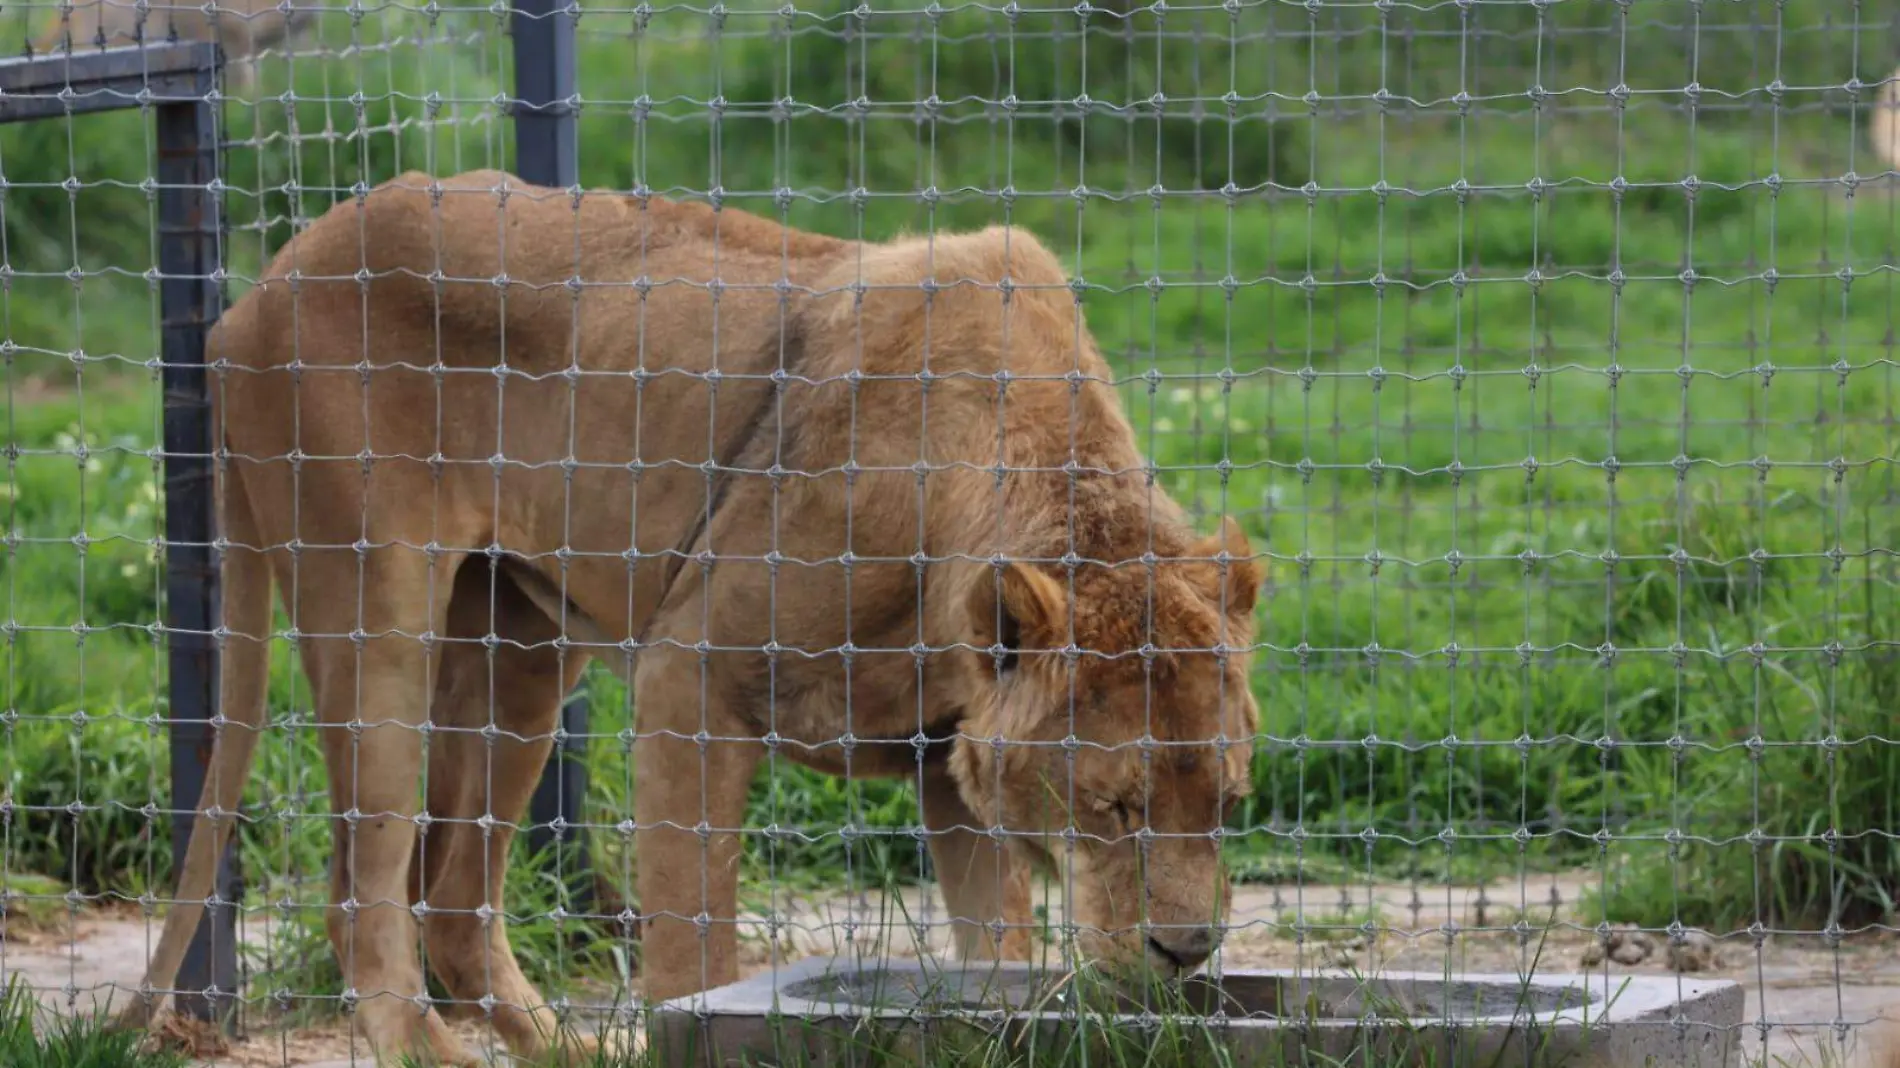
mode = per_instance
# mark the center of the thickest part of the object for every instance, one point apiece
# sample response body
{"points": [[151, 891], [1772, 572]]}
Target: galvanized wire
{"points": [[1558, 611]]}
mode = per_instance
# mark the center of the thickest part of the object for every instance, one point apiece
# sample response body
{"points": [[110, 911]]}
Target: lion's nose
{"points": [[1186, 947]]}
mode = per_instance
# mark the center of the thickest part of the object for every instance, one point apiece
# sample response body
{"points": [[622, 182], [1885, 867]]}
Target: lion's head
{"points": [[1112, 733]]}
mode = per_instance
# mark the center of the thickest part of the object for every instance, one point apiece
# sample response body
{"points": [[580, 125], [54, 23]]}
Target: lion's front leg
{"points": [[693, 767], [985, 882]]}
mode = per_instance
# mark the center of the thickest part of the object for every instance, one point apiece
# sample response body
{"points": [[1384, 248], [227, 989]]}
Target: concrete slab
{"points": [[816, 1010]]}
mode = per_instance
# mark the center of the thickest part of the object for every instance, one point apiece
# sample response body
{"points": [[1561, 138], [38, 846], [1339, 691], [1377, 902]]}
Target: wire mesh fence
{"points": [[1542, 353]]}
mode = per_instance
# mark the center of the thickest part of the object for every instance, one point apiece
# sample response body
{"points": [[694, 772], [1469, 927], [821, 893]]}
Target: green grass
{"points": [[1664, 650], [31, 1037]]}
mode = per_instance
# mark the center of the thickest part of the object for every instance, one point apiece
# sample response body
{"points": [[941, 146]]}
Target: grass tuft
{"points": [[33, 1037]]}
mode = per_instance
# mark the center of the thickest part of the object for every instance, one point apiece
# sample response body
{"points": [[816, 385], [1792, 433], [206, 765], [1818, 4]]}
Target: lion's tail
{"points": [[245, 670]]}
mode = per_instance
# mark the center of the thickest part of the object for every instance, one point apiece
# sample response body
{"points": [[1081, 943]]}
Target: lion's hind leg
{"points": [[495, 706]]}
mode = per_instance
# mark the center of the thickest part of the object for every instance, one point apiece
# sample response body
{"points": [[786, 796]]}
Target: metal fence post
{"points": [[545, 146], [189, 301], [546, 154]]}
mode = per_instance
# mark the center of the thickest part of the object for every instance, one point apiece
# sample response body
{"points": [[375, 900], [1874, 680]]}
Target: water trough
{"points": [[830, 1012]]}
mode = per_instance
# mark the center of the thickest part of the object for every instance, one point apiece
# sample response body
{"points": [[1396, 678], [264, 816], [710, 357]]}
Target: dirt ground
{"points": [[1797, 987]]}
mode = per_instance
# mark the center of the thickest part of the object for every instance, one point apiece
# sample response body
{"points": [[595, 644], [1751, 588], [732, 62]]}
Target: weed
{"points": [[32, 1037]]}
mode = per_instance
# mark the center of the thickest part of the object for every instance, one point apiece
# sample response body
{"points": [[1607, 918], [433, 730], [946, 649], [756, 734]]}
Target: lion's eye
{"points": [[1011, 640], [1124, 815]]}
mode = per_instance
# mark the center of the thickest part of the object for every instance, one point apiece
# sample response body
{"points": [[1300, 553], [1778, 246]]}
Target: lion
{"points": [[871, 507]]}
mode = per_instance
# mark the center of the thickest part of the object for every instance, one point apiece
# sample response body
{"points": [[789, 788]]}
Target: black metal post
{"points": [[545, 144], [558, 801], [189, 303], [545, 154]]}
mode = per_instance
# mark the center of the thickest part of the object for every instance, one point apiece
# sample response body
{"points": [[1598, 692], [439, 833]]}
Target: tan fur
{"points": [[243, 28], [864, 518], [1879, 1043], [1883, 127]]}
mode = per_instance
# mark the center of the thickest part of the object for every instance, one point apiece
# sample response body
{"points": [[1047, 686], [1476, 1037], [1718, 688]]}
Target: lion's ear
{"points": [[1243, 574], [1025, 604], [1036, 602]]}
